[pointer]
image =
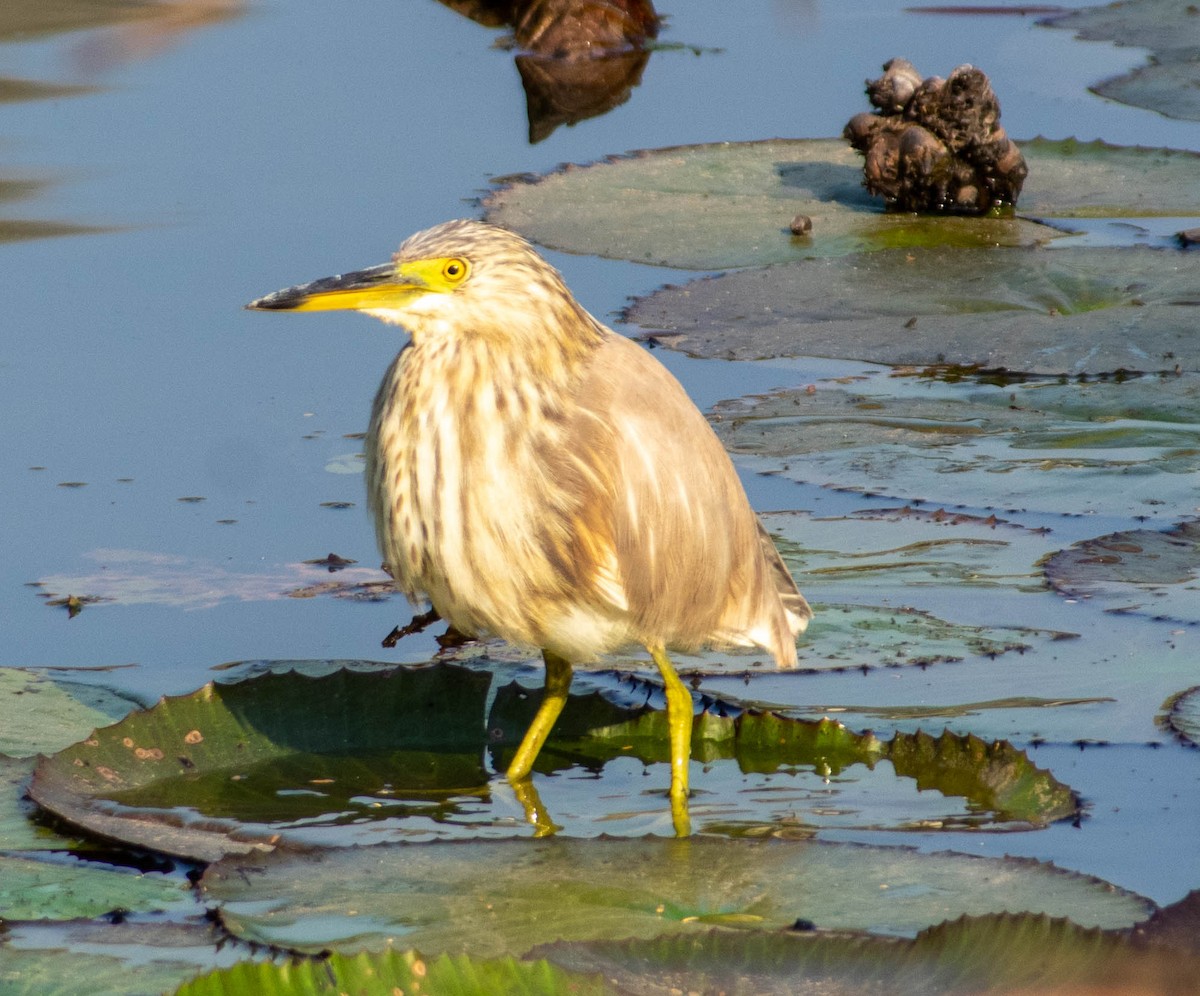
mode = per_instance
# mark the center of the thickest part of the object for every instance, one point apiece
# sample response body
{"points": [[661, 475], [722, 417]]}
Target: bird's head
{"points": [[456, 279]]}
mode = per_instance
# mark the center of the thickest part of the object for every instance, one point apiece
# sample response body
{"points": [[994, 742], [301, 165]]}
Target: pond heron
{"points": [[539, 478]]}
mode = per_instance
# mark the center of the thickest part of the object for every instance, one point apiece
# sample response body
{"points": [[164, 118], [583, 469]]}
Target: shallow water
{"points": [[290, 141]]}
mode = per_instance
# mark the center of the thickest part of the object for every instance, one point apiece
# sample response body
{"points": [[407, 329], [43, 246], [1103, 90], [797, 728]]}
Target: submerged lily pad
{"points": [[358, 757], [1067, 311], [1008, 953], [1141, 570], [730, 204], [1169, 29], [493, 898], [1130, 448]]}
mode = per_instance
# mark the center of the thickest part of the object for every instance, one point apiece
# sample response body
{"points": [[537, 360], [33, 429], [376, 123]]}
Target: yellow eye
{"points": [[454, 270]]}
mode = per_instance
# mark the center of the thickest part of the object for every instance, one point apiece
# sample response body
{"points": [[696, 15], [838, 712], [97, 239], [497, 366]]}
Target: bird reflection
{"points": [[577, 59]]}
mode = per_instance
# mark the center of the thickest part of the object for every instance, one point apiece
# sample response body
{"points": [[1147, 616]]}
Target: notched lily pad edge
{"points": [[753, 739]]}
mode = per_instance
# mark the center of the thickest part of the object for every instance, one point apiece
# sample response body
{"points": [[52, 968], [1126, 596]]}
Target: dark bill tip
{"points": [[292, 298]]}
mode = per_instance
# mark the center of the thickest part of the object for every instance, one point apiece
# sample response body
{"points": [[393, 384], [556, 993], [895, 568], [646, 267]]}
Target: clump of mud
{"points": [[936, 145]]}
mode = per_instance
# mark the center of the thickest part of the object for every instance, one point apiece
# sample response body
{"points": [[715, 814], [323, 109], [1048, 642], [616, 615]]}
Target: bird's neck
{"points": [[548, 352]]}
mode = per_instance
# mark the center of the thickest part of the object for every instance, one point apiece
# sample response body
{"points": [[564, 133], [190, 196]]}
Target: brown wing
{"points": [[682, 551]]}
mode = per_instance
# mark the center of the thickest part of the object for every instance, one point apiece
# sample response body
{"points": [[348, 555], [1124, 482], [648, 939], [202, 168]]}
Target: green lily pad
{"points": [[1001, 787], [1140, 570], [131, 957], [40, 714], [1068, 312], [493, 898], [18, 832], [1008, 953], [357, 757], [730, 204], [1182, 716], [396, 972], [1169, 29], [1128, 449], [51, 890], [276, 749]]}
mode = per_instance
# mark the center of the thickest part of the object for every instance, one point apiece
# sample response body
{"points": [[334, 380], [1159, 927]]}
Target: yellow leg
{"points": [[679, 723], [554, 697], [535, 813]]}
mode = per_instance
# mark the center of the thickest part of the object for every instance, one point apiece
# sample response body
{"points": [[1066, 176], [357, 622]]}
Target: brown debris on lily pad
{"points": [[936, 145]]}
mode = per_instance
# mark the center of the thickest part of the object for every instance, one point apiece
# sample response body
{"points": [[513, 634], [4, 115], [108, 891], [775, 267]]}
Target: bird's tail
{"points": [[795, 607]]}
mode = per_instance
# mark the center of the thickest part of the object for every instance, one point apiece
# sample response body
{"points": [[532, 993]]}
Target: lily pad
{"points": [[493, 898], [1129, 449], [396, 972], [257, 752], [995, 953], [358, 757], [1001, 787], [33, 889], [40, 714], [1140, 570], [1069, 311], [1169, 29], [730, 204], [1182, 716]]}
